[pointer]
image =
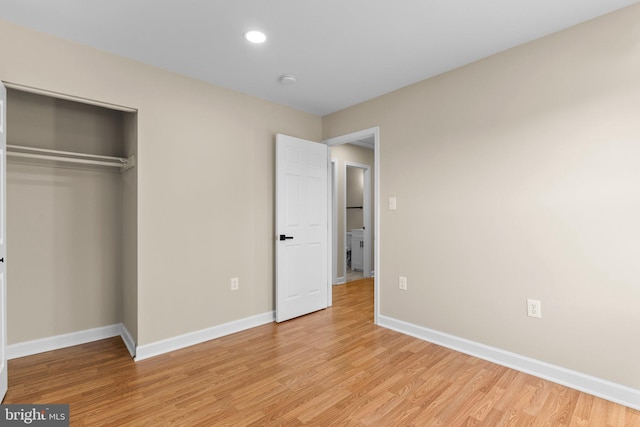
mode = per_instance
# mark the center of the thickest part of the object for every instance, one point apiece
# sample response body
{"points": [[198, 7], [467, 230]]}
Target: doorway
{"points": [[356, 221], [368, 140]]}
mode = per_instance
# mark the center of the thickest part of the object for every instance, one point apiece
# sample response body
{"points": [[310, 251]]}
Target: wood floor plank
{"points": [[333, 367], [481, 409]]}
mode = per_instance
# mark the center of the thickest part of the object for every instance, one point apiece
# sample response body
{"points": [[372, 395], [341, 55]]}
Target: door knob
{"points": [[283, 237]]}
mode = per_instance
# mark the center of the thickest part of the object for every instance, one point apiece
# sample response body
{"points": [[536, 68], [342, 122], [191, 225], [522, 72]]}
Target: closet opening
{"points": [[71, 222]]}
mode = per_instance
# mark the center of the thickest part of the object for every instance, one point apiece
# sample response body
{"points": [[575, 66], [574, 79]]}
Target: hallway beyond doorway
{"points": [[353, 275]]}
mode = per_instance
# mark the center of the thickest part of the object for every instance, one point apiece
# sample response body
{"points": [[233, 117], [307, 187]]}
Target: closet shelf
{"points": [[70, 157]]}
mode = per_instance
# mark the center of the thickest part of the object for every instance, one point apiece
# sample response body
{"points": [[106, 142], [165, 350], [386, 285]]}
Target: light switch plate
{"points": [[392, 204]]}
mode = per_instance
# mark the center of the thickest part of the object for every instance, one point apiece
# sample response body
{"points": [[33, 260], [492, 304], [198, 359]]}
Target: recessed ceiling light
{"points": [[255, 36]]}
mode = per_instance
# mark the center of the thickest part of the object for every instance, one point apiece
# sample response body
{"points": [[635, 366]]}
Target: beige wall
{"points": [[51, 123], [195, 231], [129, 253], [355, 154], [515, 177], [64, 257]]}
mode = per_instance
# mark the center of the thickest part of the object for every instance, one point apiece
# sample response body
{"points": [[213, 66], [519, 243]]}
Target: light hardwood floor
{"points": [[334, 367]]}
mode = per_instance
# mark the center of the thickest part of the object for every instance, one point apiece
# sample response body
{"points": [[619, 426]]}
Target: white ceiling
{"points": [[342, 51]]}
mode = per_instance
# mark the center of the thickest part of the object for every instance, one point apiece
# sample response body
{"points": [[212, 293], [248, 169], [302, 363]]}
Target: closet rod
{"points": [[68, 156], [62, 153], [65, 159]]}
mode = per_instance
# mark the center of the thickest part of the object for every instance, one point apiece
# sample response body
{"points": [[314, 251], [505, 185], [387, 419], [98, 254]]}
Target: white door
{"points": [[301, 227], [3, 243]]}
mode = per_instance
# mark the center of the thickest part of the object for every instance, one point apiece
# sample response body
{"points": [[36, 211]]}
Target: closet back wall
{"points": [[65, 222]]}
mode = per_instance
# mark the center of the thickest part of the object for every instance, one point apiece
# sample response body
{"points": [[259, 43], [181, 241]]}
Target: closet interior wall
{"points": [[71, 245]]}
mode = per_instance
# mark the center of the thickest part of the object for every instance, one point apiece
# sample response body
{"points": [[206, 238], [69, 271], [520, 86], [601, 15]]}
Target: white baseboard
{"points": [[340, 281], [160, 347], [614, 392], [128, 340], [57, 342]]}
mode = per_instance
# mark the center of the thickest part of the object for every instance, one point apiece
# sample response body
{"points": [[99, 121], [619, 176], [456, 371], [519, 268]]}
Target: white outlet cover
{"points": [[534, 308]]}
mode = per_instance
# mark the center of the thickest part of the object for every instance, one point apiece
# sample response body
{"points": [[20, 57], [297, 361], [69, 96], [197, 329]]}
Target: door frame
{"points": [[333, 220], [346, 139], [4, 383]]}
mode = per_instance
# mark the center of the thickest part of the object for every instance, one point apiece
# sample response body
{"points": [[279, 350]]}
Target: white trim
{"points": [[353, 136], [362, 144], [376, 239], [128, 340], [348, 138], [175, 343], [28, 348], [331, 223], [333, 205], [341, 280], [608, 390], [59, 95]]}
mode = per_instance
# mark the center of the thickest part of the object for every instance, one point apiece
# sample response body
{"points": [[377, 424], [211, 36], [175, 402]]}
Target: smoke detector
{"points": [[287, 79]]}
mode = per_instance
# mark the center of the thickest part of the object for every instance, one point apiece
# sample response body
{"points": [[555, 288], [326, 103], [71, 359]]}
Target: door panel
{"points": [[301, 216]]}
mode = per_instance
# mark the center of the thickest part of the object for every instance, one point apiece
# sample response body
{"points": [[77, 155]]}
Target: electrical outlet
{"points": [[534, 308], [402, 283], [235, 283]]}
